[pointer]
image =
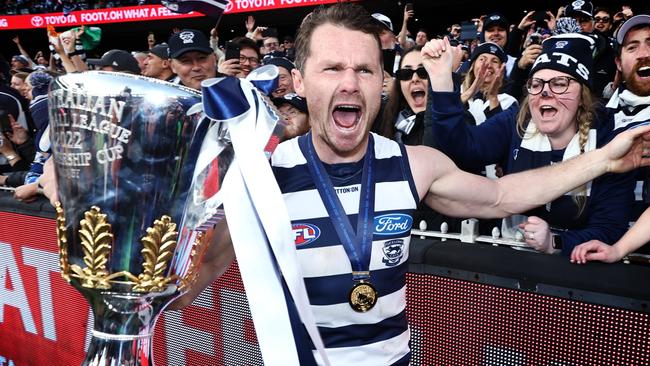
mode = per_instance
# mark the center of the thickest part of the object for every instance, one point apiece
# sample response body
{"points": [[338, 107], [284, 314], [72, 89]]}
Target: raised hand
{"points": [[529, 56], [527, 20], [250, 23], [437, 59], [408, 14], [229, 67]]}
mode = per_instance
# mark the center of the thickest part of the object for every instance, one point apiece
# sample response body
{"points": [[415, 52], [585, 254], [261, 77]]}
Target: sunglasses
{"points": [[602, 20], [407, 74]]}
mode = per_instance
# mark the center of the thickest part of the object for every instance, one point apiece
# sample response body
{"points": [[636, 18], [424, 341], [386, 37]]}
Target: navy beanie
{"points": [[569, 53]]}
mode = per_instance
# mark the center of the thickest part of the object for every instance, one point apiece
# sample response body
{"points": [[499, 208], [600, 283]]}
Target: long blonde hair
{"points": [[469, 78], [584, 118]]}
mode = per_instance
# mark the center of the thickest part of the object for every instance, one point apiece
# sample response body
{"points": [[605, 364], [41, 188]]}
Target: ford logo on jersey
{"points": [[392, 224], [305, 233]]}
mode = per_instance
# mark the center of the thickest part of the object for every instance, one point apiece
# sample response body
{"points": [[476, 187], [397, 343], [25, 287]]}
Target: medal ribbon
{"points": [[358, 247]]}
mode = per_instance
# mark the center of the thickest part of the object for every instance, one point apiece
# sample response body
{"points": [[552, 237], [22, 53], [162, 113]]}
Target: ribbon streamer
{"points": [[257, 217]]}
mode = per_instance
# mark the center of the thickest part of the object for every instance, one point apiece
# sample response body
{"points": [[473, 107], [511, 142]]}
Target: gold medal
{"points": [[363, 296]]}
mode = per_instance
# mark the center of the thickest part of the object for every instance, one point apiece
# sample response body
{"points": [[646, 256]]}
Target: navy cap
{"points": [[580, 8], [161, 50], [491, 48], [495, 19], [280, 62], [119, 60], [188, 40], [292, 99]]}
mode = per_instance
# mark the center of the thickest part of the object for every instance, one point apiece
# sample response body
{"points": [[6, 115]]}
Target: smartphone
{"points": [[409, 6], [468, 31], [535, 38], [540, 18], [232, 51], [389, 61], [5, 125], [270, 32]]}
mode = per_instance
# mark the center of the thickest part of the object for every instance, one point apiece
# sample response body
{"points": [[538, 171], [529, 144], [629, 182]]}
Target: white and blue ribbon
{"points": [[257, 216]]}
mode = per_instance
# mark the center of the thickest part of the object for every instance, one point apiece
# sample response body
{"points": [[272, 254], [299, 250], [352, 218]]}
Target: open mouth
{"points": [[547, 111], [419, 96], [346, 115], [644, 71]]}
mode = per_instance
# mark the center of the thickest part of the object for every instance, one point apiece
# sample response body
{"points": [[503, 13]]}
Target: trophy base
{"points": [[112, 351], [124, 323]]}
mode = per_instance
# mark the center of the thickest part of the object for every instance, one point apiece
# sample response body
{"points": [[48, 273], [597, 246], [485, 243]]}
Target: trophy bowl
{"points": [[124, 159]]}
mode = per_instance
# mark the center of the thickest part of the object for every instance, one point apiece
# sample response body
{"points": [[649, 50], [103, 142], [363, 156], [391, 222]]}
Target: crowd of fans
{"points": [[494, 129]]}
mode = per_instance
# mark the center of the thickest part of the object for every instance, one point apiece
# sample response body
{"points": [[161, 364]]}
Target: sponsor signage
{"points": [[40, 312], [392, 224], [138, 14]]}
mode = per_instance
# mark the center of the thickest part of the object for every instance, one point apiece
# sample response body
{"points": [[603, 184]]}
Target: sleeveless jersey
{"points": [[381, 335]]}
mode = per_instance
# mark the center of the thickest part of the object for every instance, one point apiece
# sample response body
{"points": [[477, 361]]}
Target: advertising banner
{"points": [[138, 14]]}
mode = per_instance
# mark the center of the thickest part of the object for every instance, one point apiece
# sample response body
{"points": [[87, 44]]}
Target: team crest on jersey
{"points": [[391, 224], [393, 252], [305, 233]]}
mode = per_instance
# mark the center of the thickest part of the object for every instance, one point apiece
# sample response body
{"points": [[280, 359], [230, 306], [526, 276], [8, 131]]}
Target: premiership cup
{"points": [[124, 159]]}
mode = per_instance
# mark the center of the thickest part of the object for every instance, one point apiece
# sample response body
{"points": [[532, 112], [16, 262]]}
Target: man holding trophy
{"points": [[349, 196], [339, 172]]}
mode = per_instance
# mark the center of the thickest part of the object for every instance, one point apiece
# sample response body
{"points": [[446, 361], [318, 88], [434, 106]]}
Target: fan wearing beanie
{"points": [[555, 122], [481, 85]]}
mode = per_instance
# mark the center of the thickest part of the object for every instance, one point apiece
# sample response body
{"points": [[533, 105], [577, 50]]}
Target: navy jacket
{"points": [[607, 212]]}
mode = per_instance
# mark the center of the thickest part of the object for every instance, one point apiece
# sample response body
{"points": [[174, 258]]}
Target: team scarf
{"points": [[629, 109], [535, 141]]}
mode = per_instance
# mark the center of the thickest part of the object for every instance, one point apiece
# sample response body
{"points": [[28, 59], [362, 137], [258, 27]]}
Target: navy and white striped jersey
{"points": [[381, 335]]}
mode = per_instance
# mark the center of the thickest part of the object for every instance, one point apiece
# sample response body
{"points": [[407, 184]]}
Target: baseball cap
{"points": [[119, 60], [161, 50], [629, 24], [580, 7], [292, 99], [495, 19], [188, 40], [384, 20], [280, 62]]}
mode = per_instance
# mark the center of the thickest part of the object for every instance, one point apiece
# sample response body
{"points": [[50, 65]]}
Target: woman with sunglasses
{"points": [[403, 121], [557, 121], [404, 111]]}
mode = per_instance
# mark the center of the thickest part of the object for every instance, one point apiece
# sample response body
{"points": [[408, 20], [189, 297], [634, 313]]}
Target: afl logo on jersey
{"points": [[392, 224], [305, 233]]}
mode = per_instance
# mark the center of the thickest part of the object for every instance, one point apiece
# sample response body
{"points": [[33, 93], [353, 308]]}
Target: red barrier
{"points": [[44, 321]]}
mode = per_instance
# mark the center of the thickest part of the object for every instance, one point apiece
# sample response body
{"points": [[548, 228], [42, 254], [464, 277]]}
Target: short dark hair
{"points": [[605, 10], [347, 15], [245, 42]]}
